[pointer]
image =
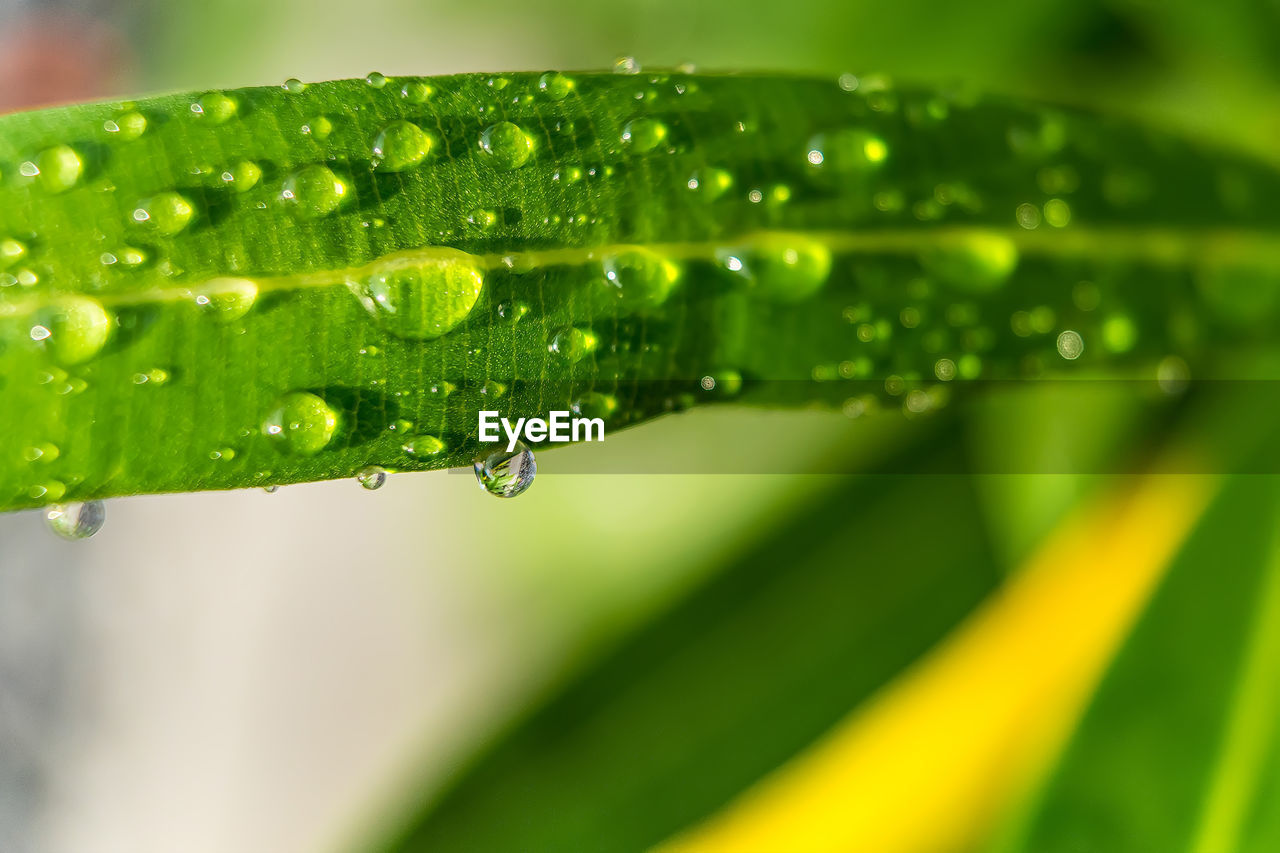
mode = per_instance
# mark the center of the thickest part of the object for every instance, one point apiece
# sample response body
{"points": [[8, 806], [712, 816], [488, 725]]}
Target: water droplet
{"points": [[1119, 333], [572, 343], [1070, 345], [294, 86], [511, 311], [1028, 216], [727, 382], [271, 490], [400, 145], [125, 127], [55, 169], [420, 298], [416, 91], [243, 176], [640, 277], [710, 183], [626, 65], [595, 405], [226, 299], [215, 108], [976, 263], [73, 328], [644, 134], [319, 127], [1057, 213], [301, 424], [76, 520], [482, 219], [504, 473], [783, 267], [424, 446], [375, 80], [11, 252], [313, 191], [164, 214], [555, 85], [847, 152], [372, 477], [507, 146]]}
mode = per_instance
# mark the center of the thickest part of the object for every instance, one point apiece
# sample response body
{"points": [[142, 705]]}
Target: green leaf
{"points": [[1178, 750], [734, 680], [283, 284]]}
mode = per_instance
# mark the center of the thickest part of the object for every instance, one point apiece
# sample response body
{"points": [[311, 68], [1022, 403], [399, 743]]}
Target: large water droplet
{"points": [[507, 146], [416, 91], [313, 191], [783, 267], [73, 328], [55, 169], [506, 473], [401, 145], [76, 520], [644, 134], [976, 263], [226, 299], [375, 80], [164, 214], [301, 424], [640, 277], [421, 298], [294, 86]]}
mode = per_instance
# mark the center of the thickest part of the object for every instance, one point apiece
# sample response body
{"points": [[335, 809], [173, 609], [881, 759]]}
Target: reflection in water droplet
{"points": [[421, 298], [400, 145], [626, 65], [783, 267], [243, 176], [125, 127], [416, 91], [214, 108], [507, 146], [301, 424], [55, 169], [504, 473], [76, 520], [294, 86], [1070, 345], [371, 477], [555, 85], [375, 80]]}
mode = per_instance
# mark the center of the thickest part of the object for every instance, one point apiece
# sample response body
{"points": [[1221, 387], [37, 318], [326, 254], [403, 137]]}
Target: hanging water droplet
{"points": [[72, 328], [644, 134], [420, 298], [640, 277], [506, 473], [976, 263], [313, 191], [572, 343], [783, 267], [164, 214], [56, 169], [400, 145], [76, 520], [226, 299], [215, 108], [125, 127], [507, 146], [301, 424], [424, 446], [555, 85], [371, 477]]}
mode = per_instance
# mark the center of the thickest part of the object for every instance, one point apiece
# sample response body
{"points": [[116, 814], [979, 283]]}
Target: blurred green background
{"points": [[304, 671]]}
